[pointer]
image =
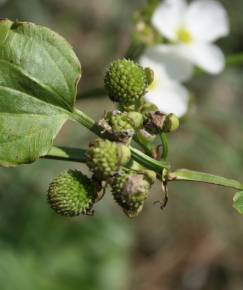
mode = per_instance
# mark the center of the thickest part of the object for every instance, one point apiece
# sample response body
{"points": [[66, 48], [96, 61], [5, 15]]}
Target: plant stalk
{"points": [[190, 175], [165, 146]]}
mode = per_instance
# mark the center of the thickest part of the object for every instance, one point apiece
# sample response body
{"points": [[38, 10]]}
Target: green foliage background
{"points": [[195, 243]]}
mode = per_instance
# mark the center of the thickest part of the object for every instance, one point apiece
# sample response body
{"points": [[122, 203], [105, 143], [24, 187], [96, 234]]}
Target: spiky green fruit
{"points": [[125, 82], [119, 121], [72, 193], [130, 190], [104, 157]]}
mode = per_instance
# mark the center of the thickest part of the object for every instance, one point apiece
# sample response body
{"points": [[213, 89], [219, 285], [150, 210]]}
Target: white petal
{"points": [[207, 20], [207, 56], [176, 66], [168, 17], [158, 68], [172, 98], [168, 95]]}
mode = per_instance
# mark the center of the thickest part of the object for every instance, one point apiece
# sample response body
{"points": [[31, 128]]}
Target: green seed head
{"points": [[130, 190], [104, 158], [125, 82], [121, 126], [72, 193], [124, 122], [119, 122]]}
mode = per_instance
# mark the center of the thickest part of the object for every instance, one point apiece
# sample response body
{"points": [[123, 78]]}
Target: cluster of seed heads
{"points": [[72, 193]]}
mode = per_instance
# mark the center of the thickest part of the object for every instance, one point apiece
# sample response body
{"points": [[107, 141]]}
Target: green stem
{"points": [[165, 145], [78, 155], [189, 175], [86, 121], [66, 154], [148, 162], [135, 50], [234, 59], [147, 147]]}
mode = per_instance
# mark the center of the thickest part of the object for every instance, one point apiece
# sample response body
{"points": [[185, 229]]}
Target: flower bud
{"points": [[72, 193], [125, 82], [130, 190], [104, 158], [158, 122]]}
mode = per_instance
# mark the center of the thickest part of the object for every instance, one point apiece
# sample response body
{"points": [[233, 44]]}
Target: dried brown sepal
{"points": [[155, 122]]}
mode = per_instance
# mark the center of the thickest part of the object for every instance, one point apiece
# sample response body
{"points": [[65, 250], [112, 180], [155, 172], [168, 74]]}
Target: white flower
{"points": [[166, 92], [192, 28]]}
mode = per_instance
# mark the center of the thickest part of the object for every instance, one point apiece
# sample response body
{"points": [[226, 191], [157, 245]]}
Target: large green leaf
{"points": [[38, 78]]}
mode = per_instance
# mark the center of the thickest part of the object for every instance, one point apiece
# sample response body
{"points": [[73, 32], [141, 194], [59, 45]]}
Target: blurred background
{"points": [[194, 244]]}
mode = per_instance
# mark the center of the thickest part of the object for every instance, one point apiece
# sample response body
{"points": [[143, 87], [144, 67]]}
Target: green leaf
{"points": [[238, 202], [39, 73]]}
